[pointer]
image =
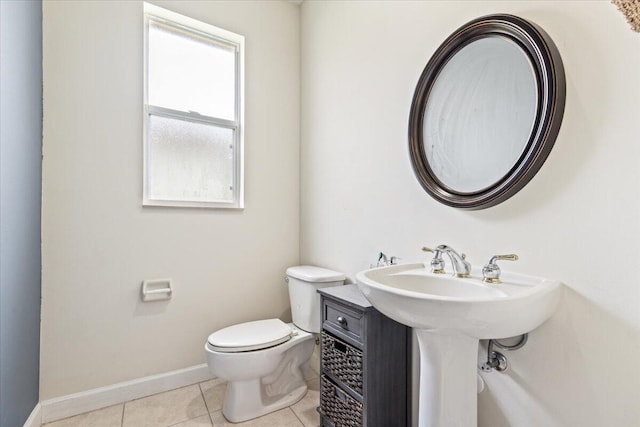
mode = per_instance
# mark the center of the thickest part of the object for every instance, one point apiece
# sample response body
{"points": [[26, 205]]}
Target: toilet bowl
{"points": [[263, 361], [261, 380]]}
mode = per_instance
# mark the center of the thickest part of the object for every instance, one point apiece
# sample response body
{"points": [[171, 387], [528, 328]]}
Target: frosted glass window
{"points": [[189, 161], [193, 124]]}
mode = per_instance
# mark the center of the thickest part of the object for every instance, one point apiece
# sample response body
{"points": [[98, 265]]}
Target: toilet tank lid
{"points": [[310, 273]]}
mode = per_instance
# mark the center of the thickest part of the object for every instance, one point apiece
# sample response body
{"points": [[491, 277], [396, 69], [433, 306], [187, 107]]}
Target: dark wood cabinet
{"points": [[363, 363]]}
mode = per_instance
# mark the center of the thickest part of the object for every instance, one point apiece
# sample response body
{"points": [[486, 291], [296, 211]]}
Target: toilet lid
{"points": [[250, 336]]}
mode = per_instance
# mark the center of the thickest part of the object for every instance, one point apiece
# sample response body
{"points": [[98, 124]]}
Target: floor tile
{"points": [[213, 392], [203, 421], [165, 409], [282, 418], [185, 407], [107, 417], [305, 409]]}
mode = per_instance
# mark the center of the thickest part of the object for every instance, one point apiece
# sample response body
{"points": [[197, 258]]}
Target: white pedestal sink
{"points": [[450, 315]]}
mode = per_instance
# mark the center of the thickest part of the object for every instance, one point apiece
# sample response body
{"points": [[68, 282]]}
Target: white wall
{"points": [[99, 243], [578, 220]]}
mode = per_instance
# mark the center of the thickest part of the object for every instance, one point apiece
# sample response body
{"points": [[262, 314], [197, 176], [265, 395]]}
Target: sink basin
{"points": [[412, 295], [449, 316]]}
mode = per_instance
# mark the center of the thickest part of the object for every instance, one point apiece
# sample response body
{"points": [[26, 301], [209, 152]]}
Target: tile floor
{"points": [[198, 405]]}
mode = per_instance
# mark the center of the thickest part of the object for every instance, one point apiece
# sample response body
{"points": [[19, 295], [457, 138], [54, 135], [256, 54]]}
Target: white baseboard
{"points": [[35, 419], [97, 398]]}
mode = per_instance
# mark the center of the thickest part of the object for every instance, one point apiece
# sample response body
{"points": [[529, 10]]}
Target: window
{"points": [[193, 113]]}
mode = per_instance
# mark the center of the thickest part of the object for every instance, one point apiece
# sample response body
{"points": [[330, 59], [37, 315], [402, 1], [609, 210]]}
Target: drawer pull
{"points": [[342, 322], [341, 395], [339, 346]]}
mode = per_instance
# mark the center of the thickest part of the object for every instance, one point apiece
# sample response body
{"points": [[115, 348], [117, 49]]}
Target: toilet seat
{"points": [[250, 336]]}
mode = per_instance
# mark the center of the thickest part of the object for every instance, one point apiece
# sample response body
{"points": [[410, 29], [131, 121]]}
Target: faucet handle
{"points": [[491, 271], [510, 257], [437, 263]]}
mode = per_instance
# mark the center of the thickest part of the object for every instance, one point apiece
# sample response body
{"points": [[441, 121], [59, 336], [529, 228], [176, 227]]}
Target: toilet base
{"points": [[245, 400], [262, 381]]}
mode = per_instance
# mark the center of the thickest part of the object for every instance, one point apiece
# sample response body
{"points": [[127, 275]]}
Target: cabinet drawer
{"points": [[343, 319], [342, 361], [340, 408]]}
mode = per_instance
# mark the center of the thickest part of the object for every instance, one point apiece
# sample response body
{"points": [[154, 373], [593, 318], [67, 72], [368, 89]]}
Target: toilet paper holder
{"points": [[156, 290]]}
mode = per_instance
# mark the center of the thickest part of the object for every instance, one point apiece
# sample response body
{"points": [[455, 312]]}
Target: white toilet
{"points": [[263, 360]]}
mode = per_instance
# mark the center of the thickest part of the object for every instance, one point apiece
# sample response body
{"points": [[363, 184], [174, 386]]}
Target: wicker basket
{"points": [[342, 361], [338, 406]]}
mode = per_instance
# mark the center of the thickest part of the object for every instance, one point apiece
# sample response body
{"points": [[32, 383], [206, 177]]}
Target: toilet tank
{"points": [[304, 281]]}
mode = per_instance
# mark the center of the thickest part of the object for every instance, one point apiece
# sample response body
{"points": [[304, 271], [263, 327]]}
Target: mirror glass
{"points": [[486, 111], [488, 82]]}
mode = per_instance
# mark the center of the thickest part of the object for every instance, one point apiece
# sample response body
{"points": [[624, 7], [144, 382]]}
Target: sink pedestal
{"points": [[448, 379]]}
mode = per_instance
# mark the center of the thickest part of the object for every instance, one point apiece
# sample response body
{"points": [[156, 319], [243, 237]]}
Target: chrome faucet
{"points": [[461, 267], [384, 261]]}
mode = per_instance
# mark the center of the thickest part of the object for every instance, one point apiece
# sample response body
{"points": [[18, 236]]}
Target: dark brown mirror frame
{"points": [[550, 79]]}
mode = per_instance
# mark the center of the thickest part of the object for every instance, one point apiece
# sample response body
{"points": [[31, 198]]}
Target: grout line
{"points": [[122, 417], [205, 403], [188, 419], [199, 416], [203, 398], [296, 415]]}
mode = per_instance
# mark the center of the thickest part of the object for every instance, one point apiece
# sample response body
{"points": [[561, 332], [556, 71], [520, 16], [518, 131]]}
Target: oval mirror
{"points": [[486, 111]]}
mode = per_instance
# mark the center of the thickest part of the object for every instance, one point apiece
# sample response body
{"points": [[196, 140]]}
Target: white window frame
{"points": [[215, 34]]}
